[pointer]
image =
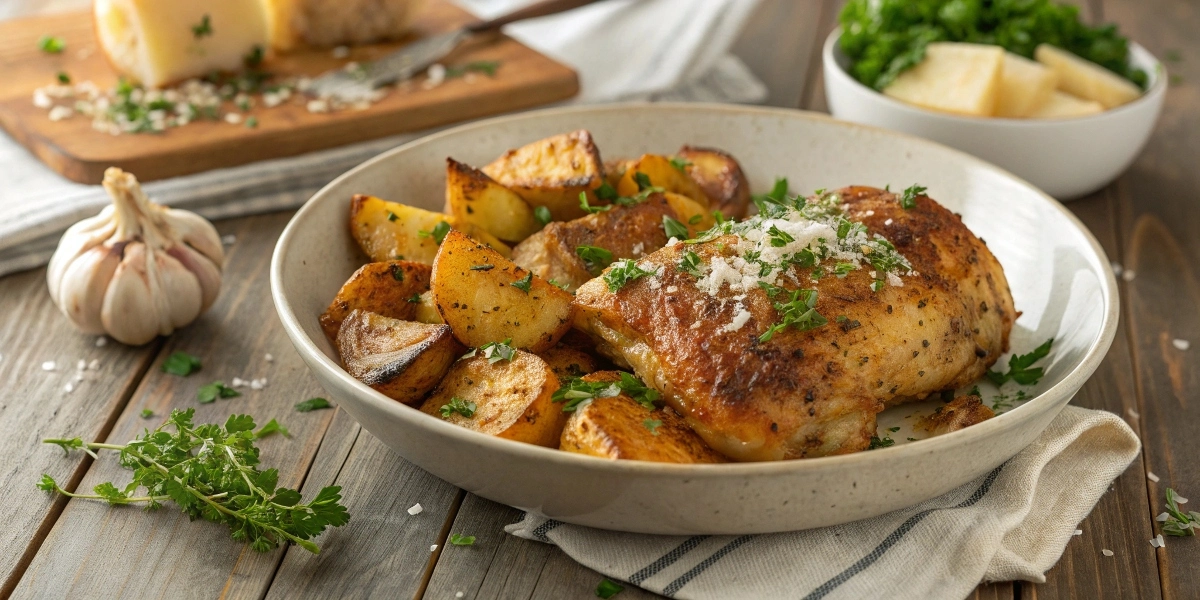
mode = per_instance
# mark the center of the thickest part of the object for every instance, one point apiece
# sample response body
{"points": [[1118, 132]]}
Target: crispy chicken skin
{"points": [[815, 392], [959, 413]]}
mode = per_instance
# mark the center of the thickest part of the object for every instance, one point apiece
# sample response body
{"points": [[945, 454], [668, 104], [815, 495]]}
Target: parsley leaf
{"points": [[689, 263], [594, 258], [908, 200], [606, 192], [313, 404], [542, 214], [207, 394], [642, 180], [487, 67], [203, 28], [63, 78], [680, 163], [462, 540], [652, 425], [457, 405], [181, 364], [391, 216], [415, 299], [575, 391], [212, 472], [622, 272], [272, 426], [495, 352], [881, 442], [51, 44], [1176, 522], [674, 229], [438, 234], [799, 311], [525, 283], [589, 209], [1020, 366], [776, 196], [608, 588], [147, 413], [640, 392]]}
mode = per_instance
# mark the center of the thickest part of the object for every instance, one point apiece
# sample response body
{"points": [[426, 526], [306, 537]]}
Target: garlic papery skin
{"points": [[138, 269]]}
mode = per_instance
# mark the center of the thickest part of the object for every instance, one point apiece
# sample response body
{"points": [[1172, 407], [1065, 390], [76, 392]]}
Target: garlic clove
{"points": [[203, 269], [179, 293], [197, 232], [78, 238], [90, 273], [130, 312]]}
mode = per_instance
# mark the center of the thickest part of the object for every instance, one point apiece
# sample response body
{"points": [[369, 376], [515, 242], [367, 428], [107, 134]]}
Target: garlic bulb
{"points": [[138, 269]]}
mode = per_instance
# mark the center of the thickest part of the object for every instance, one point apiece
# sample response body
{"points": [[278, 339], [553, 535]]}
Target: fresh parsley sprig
{"points": [[1176, 522], [494, 352], [908, 200], [1020, 366], [800, 311], [465, 408], [674, 229], [622, 272], [575, 391], [211, 471], [594, 258]]}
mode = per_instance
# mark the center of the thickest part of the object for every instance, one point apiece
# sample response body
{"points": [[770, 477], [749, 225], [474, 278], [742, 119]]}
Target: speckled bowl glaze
{"points": [[1059, 276]]}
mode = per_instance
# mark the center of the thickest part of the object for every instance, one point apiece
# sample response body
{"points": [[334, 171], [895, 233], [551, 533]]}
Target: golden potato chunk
{"points": [[393, 231], [721, 178], [614, 170], [567, 362], [402, 360], [385, 288], [619, 427], [426, 311], [484, 297], [552, 172], [661, 172], [511, 399], [473, 197], [959, 413]]}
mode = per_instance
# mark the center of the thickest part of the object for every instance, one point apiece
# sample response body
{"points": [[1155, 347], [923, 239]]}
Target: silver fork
{"points": [[407, 62]]}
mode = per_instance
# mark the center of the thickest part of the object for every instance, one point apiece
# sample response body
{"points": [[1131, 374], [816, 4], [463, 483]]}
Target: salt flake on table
{"points": [[433, 548], [1128, 275], [1117, 268], [70, 387], [415, 509], [1151, 476], [1078, 532], [49, 365], [1181, 344], [458, 594], [239, 382], [94, 365], [228, 240], [269, 358], [101, 342], [81, 365], [1106, 552]]}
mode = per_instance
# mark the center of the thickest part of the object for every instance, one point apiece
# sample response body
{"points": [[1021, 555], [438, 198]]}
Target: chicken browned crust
{"points": [[814, 392], [959, 413]]}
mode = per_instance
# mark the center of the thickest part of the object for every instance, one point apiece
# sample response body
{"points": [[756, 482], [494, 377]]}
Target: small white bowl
{"points": [[1066, 158]]}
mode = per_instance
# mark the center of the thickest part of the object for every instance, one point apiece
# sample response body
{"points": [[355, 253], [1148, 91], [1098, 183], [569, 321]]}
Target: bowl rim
{"points": [[1060, 393], [831, 51]]}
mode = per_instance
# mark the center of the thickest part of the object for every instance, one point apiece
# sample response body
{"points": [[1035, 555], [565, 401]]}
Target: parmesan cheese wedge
{"points": [[326, 23], [1064, 106], [1087, 79], [954, 77], [1024, 86], [157, 42]]}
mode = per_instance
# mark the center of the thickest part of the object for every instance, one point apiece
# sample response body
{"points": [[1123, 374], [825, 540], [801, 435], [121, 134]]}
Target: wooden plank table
{"points": [[49, 547]]}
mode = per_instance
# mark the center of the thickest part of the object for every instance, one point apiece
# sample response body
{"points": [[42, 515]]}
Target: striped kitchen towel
{"points": [[1011, 523]]}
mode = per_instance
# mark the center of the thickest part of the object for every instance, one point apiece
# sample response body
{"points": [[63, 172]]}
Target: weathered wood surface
{"points": [[1144, 221]]}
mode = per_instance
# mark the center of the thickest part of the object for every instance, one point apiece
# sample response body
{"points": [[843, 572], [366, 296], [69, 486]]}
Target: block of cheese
{"points": [[954, 77], [1086, 79], [1024, 86], [157, 42], [1061, 105], [326, 23]]}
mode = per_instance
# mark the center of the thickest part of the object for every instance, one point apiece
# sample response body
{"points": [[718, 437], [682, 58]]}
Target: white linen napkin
{"points": [[1012, 523], [623, 50]]}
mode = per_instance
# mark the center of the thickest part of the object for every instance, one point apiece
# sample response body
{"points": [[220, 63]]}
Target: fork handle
{"points": [[538, 9]]}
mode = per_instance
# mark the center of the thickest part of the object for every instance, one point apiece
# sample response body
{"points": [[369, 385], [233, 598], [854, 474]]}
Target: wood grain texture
{"points": [[99, 551], [525, 79], [1157, 200], [35, 405]]}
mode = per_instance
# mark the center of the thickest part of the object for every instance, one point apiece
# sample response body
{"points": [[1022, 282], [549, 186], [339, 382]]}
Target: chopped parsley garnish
{"points": [[313, 404], [462, 540], [680, 163], [594, 258], [608, 588], [494, 352], [779, 238], [562, 286], [799, 311], [606, 192], [251, 122], [487, 67], [181, 364], [841, 270], [689, 263], [776, 197], [622, 272], [255, 58], [207, 394], [881, 442], [908, 199], [457, 405], [642, 180], [483, 267], [147, 413], [438, 234], [272, 426], [652, 425], [391, 216], [542, 214], [589, 209], [1175, 522], [397, 272], [51, 44], [415, 299], [525, 283], [695, 219], [1020, 366], [674, 229], [203, 28], [63, 78], [577, 391]]}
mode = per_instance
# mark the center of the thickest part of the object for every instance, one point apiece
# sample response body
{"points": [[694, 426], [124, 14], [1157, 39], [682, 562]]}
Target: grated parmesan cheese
{"points": [[415, 509], [740, 317], [1106, 552]]}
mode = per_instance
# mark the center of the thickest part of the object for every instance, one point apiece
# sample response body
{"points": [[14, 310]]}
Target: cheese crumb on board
{"points": [[415, 509]]}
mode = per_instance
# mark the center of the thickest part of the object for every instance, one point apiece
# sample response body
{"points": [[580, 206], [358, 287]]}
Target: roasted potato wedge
{"points": [[721, 178], [625, 231], [690, 213], [552, 172], [662, 174], [959, 413], [614, 170], [512, 399], [618, 427], [426, 311], [473, 197], [567, 362], [479, 294], [384, 288], [402, 360], [393, 231]]}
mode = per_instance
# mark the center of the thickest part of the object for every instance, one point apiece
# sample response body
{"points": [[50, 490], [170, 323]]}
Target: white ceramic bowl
{"points": [[1059, 276], [1067, 158]]}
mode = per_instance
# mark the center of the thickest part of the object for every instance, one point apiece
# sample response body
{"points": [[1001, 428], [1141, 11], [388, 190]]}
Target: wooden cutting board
{"points": [[71, 147]]}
